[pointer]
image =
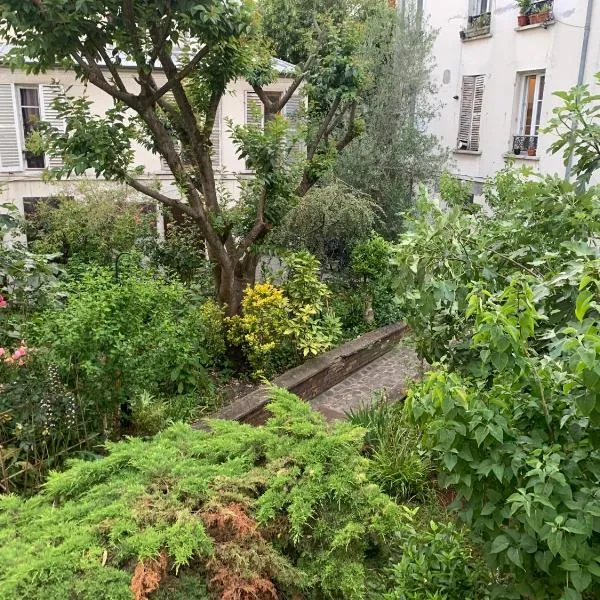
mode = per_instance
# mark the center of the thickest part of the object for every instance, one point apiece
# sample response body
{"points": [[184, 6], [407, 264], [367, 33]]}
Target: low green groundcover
{"points": [[282, 510]]}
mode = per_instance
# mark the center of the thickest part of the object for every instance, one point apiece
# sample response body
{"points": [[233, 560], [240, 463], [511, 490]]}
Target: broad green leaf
{"points": [[500, 544], [582, 304]]}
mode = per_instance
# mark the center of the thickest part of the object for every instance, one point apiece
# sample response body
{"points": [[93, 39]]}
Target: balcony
{"points": [[477, 26], [525, 144]]}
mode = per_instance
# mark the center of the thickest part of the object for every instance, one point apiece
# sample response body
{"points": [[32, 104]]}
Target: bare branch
{"points": [[295, 84], [111, 67], [154, 193], [269, 106], [350, 132], [259, 229], [312, 148], [94, 74], [181, 74]]}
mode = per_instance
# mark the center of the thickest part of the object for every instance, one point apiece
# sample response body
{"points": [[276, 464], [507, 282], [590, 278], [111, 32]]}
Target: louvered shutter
{"points": [[471, 105], [11, 156], [477, 109], [215, 138], [48, 93], [291, 111], [254, 109]]}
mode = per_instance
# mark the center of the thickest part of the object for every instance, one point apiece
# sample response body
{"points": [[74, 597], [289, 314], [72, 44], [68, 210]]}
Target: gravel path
{"points": [[391, 373]]}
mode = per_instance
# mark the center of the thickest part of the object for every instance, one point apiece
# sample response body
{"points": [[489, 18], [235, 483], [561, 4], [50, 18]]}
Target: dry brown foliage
{"points": [[235, 535], [226, 523], [147, 576]]}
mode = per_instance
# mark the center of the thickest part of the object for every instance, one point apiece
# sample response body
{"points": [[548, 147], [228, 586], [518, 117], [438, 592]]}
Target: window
{"points": [[291, 111], [480, 18], [531, 96], [21, 109], [471, 104], [31, 115]]}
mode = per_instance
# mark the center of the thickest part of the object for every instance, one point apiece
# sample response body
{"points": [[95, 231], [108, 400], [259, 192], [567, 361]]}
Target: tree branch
{"points": [[269, 106], [312, 148], [94, 75], [295, 84], [259, 228], [181, 74], [153, 193], [350, 133], [111, 67]]}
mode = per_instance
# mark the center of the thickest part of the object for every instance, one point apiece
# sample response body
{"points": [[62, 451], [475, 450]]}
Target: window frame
{"points": [[538, 103], [476, 7], [21, 122]]}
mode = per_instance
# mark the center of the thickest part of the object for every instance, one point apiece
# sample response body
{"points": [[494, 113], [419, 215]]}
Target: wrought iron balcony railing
{"points": [[478, 24], [525, 144]]}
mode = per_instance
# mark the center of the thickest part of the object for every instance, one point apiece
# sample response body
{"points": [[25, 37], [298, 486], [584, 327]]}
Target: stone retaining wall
{"points": [[317, 375]]}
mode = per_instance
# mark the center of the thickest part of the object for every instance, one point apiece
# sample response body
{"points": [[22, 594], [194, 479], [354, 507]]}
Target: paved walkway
{"points": [[391, 373]]}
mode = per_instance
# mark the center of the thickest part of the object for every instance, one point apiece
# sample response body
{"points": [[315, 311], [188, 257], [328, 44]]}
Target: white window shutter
{"points": [[477, 110], [471, 105], [215, 138], [254, 109], [11, 154], [48, 93], [291, 111]]}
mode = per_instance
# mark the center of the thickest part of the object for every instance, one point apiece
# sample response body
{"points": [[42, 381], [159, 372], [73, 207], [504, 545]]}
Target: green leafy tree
{"points": [[395, 152], [171, 108], [575, 122]]}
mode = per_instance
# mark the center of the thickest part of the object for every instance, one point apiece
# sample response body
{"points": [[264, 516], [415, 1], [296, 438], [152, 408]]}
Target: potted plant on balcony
{"points": [[524, 10], [540, 13]]}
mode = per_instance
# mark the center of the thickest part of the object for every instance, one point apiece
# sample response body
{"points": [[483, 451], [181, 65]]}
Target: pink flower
{"points": [[19, 352], [2, 351], [21, 362], [3, 302]]}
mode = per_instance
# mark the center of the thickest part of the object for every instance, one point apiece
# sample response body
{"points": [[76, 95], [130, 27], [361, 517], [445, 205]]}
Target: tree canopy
{"points": [[184, 54]]}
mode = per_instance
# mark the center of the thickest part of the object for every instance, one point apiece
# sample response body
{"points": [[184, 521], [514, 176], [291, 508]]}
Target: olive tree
{"points": [[184, 54]]}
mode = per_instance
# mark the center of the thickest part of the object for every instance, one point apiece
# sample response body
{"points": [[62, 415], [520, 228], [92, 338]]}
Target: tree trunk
{"points": [[232, 281]]}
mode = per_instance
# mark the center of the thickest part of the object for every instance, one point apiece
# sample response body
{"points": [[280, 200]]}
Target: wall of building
{"points": [[501, 56], [19, 184]]}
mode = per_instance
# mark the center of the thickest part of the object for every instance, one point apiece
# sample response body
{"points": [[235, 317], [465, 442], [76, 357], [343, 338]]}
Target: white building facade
{"points": [[496, 74], [26, 99]]}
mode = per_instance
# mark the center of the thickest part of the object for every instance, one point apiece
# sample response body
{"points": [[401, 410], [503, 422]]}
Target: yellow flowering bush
{"points": [[279, 326], [260, 329]]}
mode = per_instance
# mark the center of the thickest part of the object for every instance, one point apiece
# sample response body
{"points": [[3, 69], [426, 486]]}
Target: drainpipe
{"points": [[582, 64]]}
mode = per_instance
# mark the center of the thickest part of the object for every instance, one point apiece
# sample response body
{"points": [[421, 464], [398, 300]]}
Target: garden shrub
{"points": [[282, 325], [328, 222], [41, 421], [93, 227], [438, 564], [274, 511], [112, 340], [26, 278], [519, 441]]}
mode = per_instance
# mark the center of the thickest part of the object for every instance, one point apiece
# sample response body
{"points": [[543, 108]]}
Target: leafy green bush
{"points": [[280, 326], [519, 441], [538, 226], [112, 340], [438, 564], [328, 223], [247, 512], [93, 227], [26, 278]]}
